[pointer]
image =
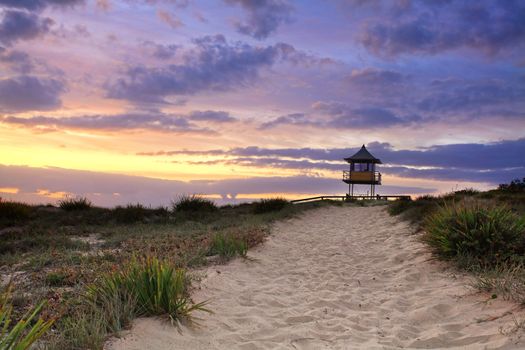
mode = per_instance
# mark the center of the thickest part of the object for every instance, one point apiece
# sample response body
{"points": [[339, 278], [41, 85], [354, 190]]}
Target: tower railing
{"points": [[375, 176]]}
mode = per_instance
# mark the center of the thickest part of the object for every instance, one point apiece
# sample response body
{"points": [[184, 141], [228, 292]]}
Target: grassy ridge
{"points": [[94, 266], [481, 232]]}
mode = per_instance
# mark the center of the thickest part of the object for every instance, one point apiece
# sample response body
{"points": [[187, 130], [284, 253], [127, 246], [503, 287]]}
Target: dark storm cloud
{"points": [[29, 93], [213, 65], [146, 121], [264, 16], [492, 162], [38, 4], [112, 189], [20, 25], [433, 27]]}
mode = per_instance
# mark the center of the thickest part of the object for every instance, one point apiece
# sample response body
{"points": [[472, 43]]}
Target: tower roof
{"points": [[363, 156]]}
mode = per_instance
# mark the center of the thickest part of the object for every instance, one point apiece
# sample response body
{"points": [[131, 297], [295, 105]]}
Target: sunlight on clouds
{"points": [[10, 190]]}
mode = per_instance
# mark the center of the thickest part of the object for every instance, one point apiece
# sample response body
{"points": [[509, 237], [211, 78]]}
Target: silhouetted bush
{"points": [[77, 203], [12, 212], [488, 234], [467, 192], [194, 207], [516, 185], [269, 205], [130, 213]]}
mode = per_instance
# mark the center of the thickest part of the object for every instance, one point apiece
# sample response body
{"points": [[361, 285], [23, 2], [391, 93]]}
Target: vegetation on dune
{"points": [[26, 331], [146, 287], [54, 254], [228, 245], [13, 212], [481, 232], [193, 203], [77, 203], [489, 234], [269, 205]]}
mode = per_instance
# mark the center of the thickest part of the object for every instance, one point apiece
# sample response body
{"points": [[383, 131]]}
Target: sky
{"points": [[126, 101]]}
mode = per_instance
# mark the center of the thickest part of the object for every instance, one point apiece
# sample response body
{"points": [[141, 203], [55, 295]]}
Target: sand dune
{"points": [[337, 278]]}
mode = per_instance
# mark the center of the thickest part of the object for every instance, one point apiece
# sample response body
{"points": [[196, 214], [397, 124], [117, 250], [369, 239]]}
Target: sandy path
{"points": [[337, 278]]}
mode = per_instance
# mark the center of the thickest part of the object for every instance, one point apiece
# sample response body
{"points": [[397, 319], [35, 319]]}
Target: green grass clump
{"points": [[399, 206], [155, 287], [228, 245], [56, 278], [13, 212], [488, 234], [269, 205], [78, 203], [23, 334]]}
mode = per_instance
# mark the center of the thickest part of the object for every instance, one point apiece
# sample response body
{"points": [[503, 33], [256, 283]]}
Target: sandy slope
{"points": [[337, 278]]}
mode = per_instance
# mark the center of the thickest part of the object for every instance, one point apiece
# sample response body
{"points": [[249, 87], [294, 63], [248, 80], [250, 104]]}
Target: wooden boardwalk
{"points": [[349, 198]]}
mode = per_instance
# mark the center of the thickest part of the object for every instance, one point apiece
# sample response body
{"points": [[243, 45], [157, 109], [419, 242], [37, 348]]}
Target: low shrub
{"points": [[24, 333], [269, 205], [77, 203], [487, 233], [514, 186], [193, 203], [13, 212], [228, 245], [155, 288], [56, 279], [467, 192], [399, 206], [129, 214]]}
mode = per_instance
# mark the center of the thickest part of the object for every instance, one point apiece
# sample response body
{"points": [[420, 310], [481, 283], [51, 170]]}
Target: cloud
{"points": [[211, 116], [486, 26], [493, 163], [30, 93], [212, 65], [457, 95], [120, 122], [264, 16], [39, 4], [374, 77], [169, 19], [336, 115], [297, 119], [34, 184], [161, 52], [17, 61], [20, 25]]}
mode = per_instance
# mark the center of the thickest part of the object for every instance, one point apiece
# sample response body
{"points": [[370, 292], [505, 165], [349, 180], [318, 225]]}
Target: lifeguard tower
{"points": [[362, 171]]}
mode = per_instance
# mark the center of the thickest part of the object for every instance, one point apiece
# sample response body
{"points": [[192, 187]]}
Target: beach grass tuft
{"points": [[149, 287], [490, 234], [269, 205], [75, 203], [26, 331], [193, 207], [228, 245], [13, 212]]}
